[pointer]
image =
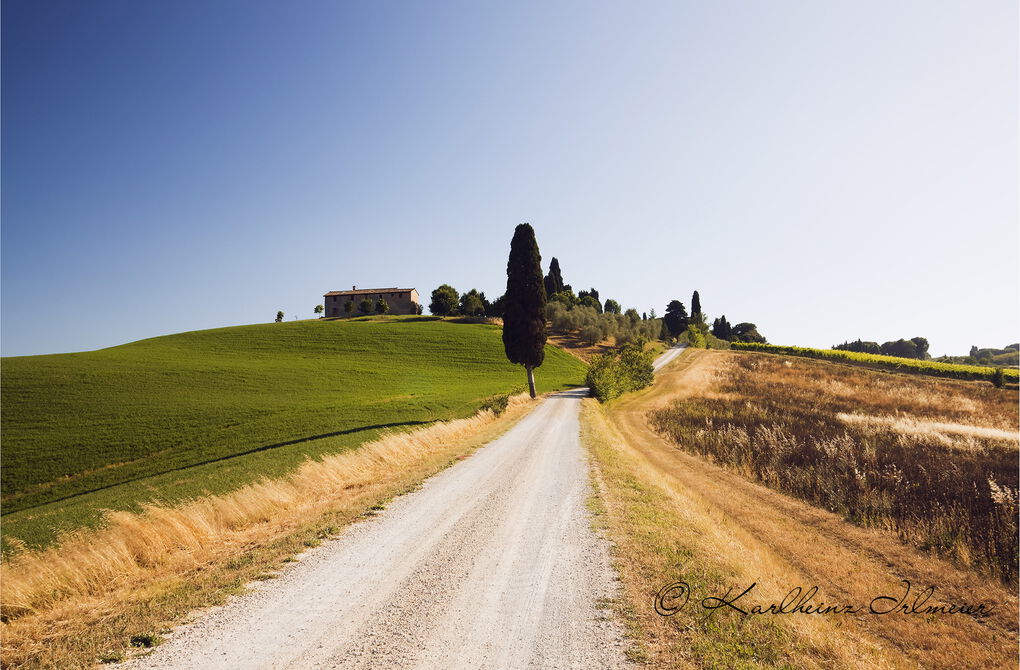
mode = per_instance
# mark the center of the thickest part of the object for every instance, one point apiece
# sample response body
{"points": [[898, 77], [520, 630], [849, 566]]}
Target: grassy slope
{"points": [[167, 418]]}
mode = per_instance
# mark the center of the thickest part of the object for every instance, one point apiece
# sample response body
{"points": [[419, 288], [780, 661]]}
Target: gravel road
{"points": [[666, 358], [492, 563]]}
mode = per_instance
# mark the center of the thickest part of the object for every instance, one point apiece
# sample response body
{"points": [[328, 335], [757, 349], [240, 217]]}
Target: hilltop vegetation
{"points": [[915, 347], [592, 327], [206, 411], [1008, 356]]}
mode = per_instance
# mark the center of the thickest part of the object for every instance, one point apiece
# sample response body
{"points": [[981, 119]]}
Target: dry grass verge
{"points": [[662, 534], [85, 600]]}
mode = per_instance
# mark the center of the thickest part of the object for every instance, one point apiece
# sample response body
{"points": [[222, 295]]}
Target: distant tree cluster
{"points": [[722, 329], [593, 326], [747, 332], [860, 346], [915, 347], [595, 320], [446, 301], [694, 330], [675, 319], [1008, 356], [592, 319], [589, 298], [473, 303], [582, 312]]}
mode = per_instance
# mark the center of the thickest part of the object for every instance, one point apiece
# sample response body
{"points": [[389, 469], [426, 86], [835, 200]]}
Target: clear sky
{"points": [[827, 170]]}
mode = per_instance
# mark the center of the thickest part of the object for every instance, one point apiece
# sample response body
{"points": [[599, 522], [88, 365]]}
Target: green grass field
{"points": [[204, 412]]}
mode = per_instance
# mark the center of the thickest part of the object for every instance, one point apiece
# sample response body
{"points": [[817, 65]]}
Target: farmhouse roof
{"points": [[364, 291]]}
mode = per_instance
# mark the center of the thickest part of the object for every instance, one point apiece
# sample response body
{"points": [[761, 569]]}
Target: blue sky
{"points": [[827, 170]]}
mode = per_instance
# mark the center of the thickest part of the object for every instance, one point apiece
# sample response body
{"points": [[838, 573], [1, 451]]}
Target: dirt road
{"points": [[491, 564], [667, 358]]}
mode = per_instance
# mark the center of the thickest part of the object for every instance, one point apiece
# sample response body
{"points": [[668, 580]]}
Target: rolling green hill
{"points": [[206, 411]]}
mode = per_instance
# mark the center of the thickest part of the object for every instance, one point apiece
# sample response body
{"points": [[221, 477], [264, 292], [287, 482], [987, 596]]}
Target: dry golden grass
{"points": [[883, 450], [675, 516], [824, 384], [947, 434], [69, 605], [663, 533]]}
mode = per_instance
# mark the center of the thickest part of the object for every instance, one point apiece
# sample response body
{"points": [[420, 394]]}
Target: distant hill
{"points": [[205, 411], [1008, 356]]}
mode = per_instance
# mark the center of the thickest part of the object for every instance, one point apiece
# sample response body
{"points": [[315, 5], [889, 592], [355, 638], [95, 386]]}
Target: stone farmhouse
{"points": [[400, 300]]}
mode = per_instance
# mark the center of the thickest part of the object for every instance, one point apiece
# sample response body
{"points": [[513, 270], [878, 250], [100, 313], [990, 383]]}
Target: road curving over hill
{"points": [[493, 563]]}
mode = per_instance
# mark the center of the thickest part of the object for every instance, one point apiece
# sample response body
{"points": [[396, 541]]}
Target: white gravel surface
{"points": [[665, 359], [493, 563]]}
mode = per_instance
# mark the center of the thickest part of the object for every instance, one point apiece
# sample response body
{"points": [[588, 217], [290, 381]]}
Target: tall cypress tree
{"points": [[721, 328], [696, 307], [524, 315], [553, 280]]}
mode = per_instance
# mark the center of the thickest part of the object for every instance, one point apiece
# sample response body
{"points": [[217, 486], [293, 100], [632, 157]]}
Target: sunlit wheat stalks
{"points": [[935, 429]]}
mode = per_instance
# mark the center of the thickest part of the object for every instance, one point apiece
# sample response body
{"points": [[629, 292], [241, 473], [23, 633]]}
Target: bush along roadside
{"points": [[934, 368], [628, 369]]}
